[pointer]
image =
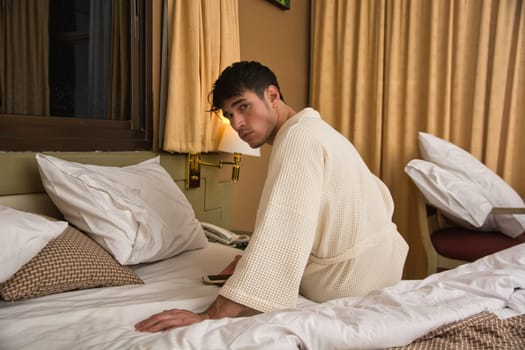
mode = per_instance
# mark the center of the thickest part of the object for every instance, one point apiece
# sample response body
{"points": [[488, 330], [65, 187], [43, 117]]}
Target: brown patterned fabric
{"points": [[71, 261], [479, 332]]}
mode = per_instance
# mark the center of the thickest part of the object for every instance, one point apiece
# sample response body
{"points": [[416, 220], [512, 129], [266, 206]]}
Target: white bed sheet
{"points": [[103, 318]]}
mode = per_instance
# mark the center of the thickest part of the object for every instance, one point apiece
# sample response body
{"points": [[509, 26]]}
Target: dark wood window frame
{"points": [[49, 133]]}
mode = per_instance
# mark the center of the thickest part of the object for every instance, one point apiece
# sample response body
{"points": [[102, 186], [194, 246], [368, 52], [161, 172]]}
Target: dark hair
{"points": [[239, 77]]}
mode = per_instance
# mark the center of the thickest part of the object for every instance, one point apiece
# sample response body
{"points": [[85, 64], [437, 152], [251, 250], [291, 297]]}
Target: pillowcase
{"points": [[69, 262], [457, 198], [136, 212], [488, 183], [23, 236]]}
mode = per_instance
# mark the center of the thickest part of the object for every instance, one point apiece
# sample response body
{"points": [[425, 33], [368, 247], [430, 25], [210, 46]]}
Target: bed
{"points": [[475, 306]]}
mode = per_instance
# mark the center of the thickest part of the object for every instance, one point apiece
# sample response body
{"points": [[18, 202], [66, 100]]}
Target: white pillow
{"points": [[458, 198], [137, 212], [489, 184], [23, 237]]}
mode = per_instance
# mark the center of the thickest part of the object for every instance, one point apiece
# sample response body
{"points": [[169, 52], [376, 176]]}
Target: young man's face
{"points": [[254, 119]]}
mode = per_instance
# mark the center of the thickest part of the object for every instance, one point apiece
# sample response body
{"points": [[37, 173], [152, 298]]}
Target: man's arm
{"points": [[221, 307], [174, 318]]}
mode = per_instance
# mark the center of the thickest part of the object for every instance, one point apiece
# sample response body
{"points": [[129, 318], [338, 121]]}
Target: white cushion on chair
{"points": [[459, 170], [457, 198]]}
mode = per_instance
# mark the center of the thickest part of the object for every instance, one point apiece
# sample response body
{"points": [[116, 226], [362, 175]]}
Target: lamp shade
{"points": [[232, 143]]}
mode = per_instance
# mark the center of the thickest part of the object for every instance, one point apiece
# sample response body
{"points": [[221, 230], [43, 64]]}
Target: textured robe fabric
{"points": [[324, 224]]}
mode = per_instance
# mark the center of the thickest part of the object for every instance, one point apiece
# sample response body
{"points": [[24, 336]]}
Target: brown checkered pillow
{"points": [[71, 261]]}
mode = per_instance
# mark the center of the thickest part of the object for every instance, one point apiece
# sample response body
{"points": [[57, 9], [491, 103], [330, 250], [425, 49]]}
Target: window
{"points": [[84, 84]]}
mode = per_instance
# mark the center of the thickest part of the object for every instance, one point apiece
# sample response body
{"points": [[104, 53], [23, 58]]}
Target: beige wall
{"points": [[278, 39]]}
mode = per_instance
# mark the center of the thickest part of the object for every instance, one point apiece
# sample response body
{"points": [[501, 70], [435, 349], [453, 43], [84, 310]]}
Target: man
{"points": [[324, 224]]}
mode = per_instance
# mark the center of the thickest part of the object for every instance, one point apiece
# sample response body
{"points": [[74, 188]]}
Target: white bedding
{"points": [[103, 318]]}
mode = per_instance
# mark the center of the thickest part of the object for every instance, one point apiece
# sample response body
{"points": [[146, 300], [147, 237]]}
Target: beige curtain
{"points": [[384, 70], [202, 39], [157, 13], [24, 57]]}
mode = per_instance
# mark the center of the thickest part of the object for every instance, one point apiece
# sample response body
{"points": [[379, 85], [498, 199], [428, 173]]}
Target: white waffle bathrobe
{"points": [[324, 224]]}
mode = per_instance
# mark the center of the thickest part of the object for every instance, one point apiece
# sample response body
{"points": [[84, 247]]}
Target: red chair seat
{"points": [[469, 245]]}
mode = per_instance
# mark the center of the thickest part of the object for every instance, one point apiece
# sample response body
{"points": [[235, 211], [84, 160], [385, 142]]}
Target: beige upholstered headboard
{"points": [[21, 188]]}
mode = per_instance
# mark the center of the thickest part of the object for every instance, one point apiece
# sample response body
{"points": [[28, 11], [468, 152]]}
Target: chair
{"points": [[448, 245]]}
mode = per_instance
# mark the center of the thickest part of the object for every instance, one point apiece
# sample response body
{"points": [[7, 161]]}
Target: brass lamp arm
{"points": [[217, 165], [193, 168]]}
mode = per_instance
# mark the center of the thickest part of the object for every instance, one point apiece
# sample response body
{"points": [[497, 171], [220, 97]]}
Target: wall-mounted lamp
{"points": [[230, 143]]}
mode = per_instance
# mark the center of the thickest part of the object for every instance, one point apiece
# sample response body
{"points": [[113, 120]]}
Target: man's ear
{"points": [[274, 94]]}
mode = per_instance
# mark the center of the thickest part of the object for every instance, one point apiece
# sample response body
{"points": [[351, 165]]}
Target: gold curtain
{"points": [[24, 57], [384, 70], [156, 63], [202, 39]]}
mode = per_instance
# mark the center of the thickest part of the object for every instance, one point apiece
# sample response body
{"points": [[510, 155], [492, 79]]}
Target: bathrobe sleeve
{"points": [[269, 274]]}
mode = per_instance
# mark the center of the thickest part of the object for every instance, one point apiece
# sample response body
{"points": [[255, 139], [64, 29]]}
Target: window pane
{"points": [[87, 71], [69, 73]]}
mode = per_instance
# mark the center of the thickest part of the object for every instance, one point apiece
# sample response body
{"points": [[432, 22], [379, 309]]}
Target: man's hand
{"points": [[174, 318], [169, 319]]}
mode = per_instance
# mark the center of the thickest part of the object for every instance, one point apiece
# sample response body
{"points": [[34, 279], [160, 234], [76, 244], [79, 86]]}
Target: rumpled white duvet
{"points": [[103, 318]]}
